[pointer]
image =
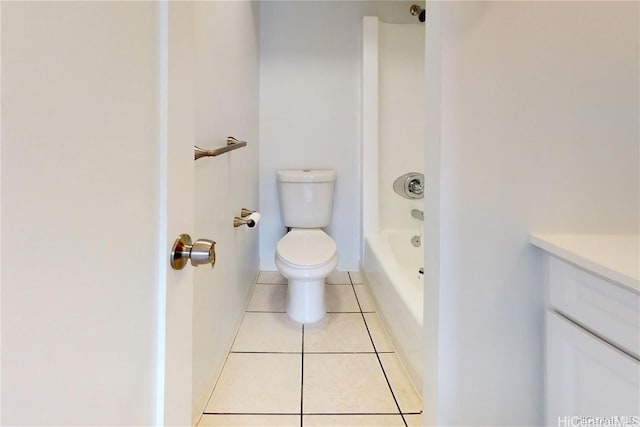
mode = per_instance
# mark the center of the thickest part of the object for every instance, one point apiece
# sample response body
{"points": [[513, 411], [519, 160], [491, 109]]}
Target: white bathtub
{"points": [[390, 268]]}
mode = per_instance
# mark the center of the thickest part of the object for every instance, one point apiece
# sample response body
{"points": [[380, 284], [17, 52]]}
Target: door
{"points": [[585, 376], [177, 183], [97, 178]]}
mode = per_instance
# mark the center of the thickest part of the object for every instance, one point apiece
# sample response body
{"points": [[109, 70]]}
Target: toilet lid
{"points": [[306, 248]]}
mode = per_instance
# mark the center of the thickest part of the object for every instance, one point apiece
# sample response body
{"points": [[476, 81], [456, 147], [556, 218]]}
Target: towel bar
{"points": [[232, 144]]}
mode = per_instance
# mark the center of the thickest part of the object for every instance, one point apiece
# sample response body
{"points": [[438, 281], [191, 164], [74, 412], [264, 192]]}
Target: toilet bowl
{"points": [[306, 257], [306, 254]]}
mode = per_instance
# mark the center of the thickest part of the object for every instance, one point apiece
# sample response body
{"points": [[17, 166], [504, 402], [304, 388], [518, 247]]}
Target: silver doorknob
{"points": [[203, 251]]}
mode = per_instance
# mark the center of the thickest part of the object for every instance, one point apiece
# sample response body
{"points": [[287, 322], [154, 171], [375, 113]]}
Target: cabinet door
{"points": [[586, 376]]}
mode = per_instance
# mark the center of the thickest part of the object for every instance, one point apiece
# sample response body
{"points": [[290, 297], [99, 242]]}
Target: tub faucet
{"points": [[417, 214]]}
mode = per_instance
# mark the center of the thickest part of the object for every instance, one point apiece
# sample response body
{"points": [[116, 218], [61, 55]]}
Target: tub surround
{"points": [[393, 110], [612, 256], [390, 269]]}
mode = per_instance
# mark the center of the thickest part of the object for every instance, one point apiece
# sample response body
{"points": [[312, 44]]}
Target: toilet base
{"points": [[305, 300]]}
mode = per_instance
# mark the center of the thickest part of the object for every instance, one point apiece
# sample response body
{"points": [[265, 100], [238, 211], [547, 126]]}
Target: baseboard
{"points": [[200, 402]]}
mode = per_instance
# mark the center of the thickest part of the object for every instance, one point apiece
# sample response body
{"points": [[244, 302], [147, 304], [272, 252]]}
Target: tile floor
{"points": [[341, 371]]}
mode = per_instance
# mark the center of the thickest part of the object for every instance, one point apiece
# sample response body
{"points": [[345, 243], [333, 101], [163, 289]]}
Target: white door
{"points": [[178, 182], [97, 179], [587, 377]]}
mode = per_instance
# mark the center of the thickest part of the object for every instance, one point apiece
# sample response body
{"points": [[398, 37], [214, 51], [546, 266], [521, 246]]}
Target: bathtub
{"points": [[390, 269]]}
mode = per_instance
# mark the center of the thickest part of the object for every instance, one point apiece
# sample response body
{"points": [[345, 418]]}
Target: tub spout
{"points": [[417, 214]]}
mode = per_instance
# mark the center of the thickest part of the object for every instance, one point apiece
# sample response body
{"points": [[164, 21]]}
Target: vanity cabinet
{"points": [[586, 376], [592, 331]]}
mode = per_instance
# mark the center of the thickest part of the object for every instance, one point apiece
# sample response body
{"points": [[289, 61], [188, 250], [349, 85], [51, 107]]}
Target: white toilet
{"points": [[306, 254]]}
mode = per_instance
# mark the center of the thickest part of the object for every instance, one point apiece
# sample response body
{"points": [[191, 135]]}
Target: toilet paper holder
{"points": [[245, 213]]}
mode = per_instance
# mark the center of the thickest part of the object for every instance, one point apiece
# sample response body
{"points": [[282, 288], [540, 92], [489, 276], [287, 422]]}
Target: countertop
{"points": [[613, 256]]}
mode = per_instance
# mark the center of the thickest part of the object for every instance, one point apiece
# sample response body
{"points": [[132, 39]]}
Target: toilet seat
{"points": [[306, 248]]}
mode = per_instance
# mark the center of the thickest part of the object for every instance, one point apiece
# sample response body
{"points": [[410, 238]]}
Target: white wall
{"points": [[539, 132], [401, 120], [226, 43], [98, 130], [79, 213], [310, 82]]}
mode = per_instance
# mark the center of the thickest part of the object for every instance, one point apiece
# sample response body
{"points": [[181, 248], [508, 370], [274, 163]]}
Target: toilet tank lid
{"points": [[307, 175]]}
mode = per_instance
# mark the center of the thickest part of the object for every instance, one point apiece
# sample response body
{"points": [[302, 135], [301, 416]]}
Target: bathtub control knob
{"points": [[416, 187], [410, 185]]}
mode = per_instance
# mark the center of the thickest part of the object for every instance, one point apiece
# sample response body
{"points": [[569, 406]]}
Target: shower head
{"points": [[416, 10]]}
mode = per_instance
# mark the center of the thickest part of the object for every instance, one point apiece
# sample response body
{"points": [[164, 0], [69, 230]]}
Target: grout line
{"points": [[244, 315], [264, 352], [310, 352], [358, 301], [344, 312], [378, 356], [340, 352], [351, 280], [310, 413], [250, 413], [404, 420], [354, 413]]}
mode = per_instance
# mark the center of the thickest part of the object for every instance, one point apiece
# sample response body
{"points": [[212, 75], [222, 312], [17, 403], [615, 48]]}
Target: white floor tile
{"points": [[406, 396], [268, 298], [345, 383], [250, 420], [364, 298], [352, 421], [413, 420], [271, 277], [378, 334], [337, 332], [338, 278], [258, 383], [356, 277], [341, 299], [268, 332], [264, 388]]}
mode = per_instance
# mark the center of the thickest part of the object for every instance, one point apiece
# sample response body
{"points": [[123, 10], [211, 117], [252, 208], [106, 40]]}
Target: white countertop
{"points": [[613, 256]]}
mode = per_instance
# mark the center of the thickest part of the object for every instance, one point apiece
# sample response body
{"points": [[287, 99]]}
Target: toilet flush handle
{"points": [[203, 251]]}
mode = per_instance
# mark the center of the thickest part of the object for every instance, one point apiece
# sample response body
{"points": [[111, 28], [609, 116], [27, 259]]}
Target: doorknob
{"points": [[203, 251]]}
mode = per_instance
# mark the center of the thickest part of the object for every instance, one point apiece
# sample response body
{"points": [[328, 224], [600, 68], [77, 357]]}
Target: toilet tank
{"points": [[306, 197]]}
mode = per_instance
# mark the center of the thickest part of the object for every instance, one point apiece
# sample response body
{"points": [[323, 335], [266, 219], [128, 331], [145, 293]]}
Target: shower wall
{"points": [[401, 108]]}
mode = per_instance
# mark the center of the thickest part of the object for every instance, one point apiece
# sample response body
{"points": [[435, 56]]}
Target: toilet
{"points": [[306, 254]]}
